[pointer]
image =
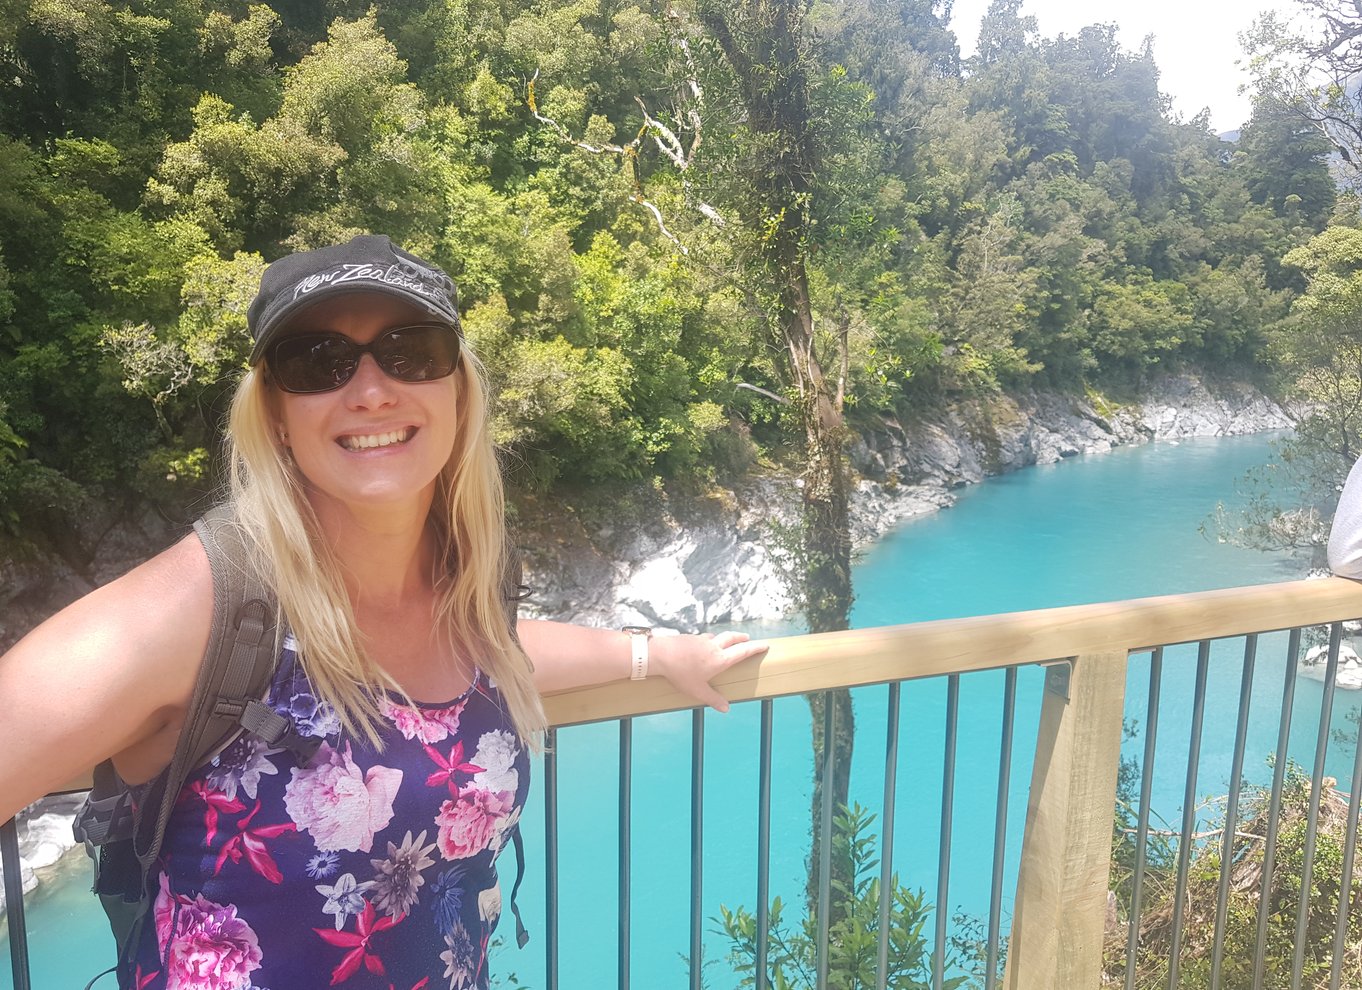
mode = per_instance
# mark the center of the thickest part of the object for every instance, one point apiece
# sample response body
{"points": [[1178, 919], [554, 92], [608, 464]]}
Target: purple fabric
{"points": [[366, 869]]}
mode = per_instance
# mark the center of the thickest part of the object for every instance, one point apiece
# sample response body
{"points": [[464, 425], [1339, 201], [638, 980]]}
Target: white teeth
{"points": [[376, 439]]}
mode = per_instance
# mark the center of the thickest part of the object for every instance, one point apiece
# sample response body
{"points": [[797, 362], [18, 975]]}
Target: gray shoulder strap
{"points": [[236, 666]]}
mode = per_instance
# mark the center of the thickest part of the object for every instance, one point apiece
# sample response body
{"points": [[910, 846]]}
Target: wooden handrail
{"points": [[799, 664]]}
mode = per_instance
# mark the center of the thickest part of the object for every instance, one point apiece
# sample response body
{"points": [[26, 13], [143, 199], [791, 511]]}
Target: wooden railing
{"points": [[1060, 907], [802, 664]]}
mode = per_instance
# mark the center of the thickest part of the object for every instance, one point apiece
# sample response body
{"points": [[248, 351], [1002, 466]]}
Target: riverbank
{"points": [[689, 562]]}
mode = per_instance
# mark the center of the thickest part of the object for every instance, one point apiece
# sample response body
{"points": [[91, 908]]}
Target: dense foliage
{"points": [[853, 938], [1231, 949], [1033, 215]]}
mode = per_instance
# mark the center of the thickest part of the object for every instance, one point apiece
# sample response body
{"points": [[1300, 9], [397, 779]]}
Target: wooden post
{"points": [[1059, 917]]}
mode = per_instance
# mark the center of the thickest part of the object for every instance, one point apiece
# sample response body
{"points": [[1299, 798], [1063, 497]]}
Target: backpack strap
{"points": [[514, 590], [233, 676], [236, 667]]}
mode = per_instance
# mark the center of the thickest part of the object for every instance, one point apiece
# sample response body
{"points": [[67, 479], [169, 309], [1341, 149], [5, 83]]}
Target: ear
{"points": [[274, 407]]}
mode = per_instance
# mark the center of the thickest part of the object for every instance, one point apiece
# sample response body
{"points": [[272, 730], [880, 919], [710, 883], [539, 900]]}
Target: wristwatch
{"points": [[638, 650]]}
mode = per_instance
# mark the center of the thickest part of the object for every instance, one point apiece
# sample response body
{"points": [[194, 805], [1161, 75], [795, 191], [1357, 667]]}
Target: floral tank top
{"points": [[364, 869]]}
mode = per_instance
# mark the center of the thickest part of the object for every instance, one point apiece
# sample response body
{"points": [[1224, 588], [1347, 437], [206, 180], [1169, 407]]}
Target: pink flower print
{"points": [[205, 946], [469, 822], [429, 725], [448, 768], [140, 981], [357, 942], [217, 801], [341, 806], [250, 842]]}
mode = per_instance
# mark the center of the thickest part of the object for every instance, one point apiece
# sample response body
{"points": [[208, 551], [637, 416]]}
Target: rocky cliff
{"points": [[685, 564]]}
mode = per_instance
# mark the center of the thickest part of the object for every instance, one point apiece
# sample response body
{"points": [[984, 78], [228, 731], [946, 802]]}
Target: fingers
{"points": [[713, 699], [745, 649], [690, 669], [728, 638]]}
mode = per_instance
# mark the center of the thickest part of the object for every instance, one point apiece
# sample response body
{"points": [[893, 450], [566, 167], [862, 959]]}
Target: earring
{"points": [[283, 437]]}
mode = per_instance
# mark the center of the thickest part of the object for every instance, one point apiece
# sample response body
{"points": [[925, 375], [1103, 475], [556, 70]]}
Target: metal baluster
{"points": [[697, 797], [1349, 854], [1151, 731], [1232, 808], [891, 769], [14, 903], [764, 845], [551, 860], [1316, 786], [626, 800], [1293, 650], [995, 904], [1203, 660], [943, 874], [825, 847]]}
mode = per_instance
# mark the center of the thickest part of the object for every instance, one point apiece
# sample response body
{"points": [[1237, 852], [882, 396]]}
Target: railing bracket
{"points": [[1057, 678]]}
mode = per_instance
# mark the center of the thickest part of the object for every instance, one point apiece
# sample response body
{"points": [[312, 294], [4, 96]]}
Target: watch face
{"points": [[638, 630]]}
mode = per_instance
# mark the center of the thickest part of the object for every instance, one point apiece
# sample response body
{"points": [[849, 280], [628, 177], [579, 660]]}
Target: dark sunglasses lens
{"points": [[418, 354], [313, 362]]}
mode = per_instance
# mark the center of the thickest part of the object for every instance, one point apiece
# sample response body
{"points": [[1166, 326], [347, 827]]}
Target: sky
{"points": [[1196, 42]]}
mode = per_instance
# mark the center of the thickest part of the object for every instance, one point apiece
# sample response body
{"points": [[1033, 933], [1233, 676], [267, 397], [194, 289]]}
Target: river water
{"points": [[1118, 525]]}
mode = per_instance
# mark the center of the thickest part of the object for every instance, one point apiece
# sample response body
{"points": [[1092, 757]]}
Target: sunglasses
{"points": [[323, 362]]}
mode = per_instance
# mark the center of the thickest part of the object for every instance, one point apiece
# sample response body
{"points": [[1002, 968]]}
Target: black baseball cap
{"points": [[368, 263]]}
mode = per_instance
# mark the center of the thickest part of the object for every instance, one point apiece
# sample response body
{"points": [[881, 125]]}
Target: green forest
{"points": [[600, 180]]}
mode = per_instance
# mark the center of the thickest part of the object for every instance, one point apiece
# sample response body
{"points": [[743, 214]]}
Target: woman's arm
{"points": [[1345, 538], [567, 656], [108, 676]]}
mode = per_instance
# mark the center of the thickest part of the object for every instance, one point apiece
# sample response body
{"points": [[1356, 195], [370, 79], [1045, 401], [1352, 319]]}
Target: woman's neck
{"points": [[386, 553]]}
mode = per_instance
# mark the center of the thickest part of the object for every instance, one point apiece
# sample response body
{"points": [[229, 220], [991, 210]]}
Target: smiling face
{"points": [[375, 441]]}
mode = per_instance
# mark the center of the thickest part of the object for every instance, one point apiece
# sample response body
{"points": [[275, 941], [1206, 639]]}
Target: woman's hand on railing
{"points": [[690, 663]]}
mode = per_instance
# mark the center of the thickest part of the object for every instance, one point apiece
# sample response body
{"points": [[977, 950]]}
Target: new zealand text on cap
{"points": [[368, 263]]}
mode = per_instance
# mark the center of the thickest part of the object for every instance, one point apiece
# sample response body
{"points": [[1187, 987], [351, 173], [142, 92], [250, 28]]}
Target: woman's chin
{"points": [[379, 494]]}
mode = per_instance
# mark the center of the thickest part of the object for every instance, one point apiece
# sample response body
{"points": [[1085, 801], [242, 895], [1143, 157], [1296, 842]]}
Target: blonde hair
{"points": [[468, 516]]}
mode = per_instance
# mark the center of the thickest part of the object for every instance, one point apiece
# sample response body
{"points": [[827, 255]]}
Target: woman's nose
{"points": [[370, 387]]}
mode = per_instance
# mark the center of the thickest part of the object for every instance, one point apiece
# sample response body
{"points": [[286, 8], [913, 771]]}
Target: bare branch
{"points": [[844, 353], [661, 224], [562, 132], [761, 391], [667, 142]]}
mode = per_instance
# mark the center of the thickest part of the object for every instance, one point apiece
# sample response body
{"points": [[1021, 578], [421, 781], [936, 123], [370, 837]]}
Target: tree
{"points": [[780, 156], [1312, 73]]}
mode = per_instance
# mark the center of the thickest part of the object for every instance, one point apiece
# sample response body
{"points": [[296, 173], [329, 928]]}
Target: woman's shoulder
{"points": [[111, 673], [163, 604]]}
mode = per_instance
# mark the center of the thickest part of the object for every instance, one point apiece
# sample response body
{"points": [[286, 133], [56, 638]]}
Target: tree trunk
{"points": [[769, 53], [826, 553]]}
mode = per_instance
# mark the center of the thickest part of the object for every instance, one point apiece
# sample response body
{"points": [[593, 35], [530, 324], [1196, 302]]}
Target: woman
{"points": [[365, 482], [1345, 537]]}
